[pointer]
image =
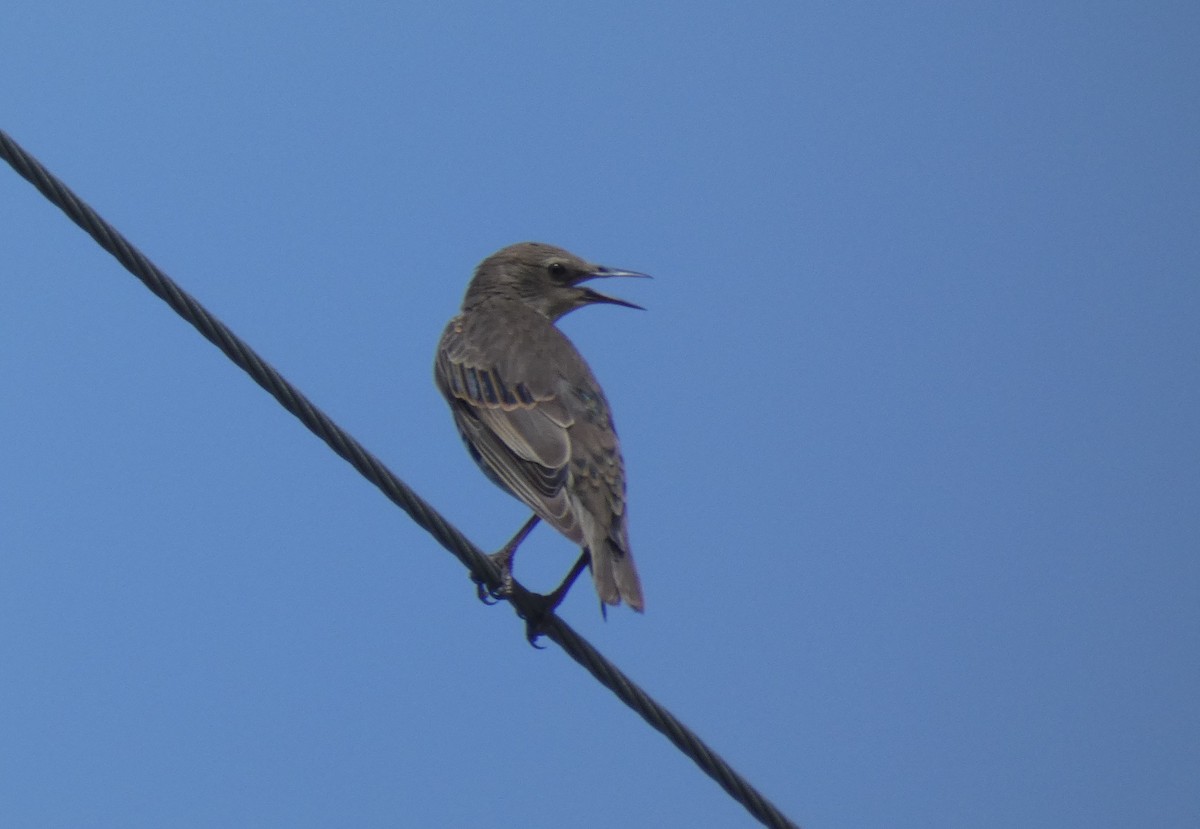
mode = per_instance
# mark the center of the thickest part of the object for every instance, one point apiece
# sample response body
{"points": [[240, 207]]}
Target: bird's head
{"points": [[546, 278]]}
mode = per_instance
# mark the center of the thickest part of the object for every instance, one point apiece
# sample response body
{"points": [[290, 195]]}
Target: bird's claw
{"points": [[535, 620], [535, 623], [486, 594], [494, 595], [534, 608], [541, 609]]}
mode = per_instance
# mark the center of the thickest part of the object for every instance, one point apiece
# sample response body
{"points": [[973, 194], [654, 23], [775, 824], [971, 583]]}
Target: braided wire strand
{"points": [[480, 566]]}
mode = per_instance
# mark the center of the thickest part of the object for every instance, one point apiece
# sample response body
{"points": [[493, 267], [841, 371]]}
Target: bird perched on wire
{"points": [[533, 416]]}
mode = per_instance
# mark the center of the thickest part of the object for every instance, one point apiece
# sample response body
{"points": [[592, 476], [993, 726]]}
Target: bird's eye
{"points": [[558, 270]]}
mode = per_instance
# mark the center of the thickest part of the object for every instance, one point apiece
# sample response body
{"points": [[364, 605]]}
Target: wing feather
{"points": [[517, 430]]}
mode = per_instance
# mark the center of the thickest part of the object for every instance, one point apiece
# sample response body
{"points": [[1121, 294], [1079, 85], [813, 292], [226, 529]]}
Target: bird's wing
{"points": [[514, 423], [597, 492]]}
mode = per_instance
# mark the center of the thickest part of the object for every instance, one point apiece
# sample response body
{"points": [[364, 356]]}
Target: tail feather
{"points": [[615, 575]]}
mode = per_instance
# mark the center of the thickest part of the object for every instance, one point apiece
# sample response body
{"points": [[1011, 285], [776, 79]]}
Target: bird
{"points": [[532, 415]]}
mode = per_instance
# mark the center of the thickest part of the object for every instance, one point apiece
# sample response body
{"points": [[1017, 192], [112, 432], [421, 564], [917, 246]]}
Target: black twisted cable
{"points": [[480, 566]]}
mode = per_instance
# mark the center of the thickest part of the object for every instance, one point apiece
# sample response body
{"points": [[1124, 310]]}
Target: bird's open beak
{"points": [[602, 272]]}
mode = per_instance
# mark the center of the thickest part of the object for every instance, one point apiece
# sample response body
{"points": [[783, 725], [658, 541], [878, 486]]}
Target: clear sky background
{"points": [[912, 423]]}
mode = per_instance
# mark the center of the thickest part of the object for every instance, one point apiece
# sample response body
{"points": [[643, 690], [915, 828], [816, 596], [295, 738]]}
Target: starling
{"points": [[531, 413]]}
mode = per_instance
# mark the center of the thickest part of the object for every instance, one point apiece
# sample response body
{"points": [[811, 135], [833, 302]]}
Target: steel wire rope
{"points": [[479, 565]]}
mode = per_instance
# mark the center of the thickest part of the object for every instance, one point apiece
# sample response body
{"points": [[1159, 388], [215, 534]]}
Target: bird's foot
{"points": [[540, 609], [537, 607], [491, 595], [503, 558]]}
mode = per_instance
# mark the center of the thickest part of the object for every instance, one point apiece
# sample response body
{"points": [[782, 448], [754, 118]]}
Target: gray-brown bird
{"points": [[531, 413]]}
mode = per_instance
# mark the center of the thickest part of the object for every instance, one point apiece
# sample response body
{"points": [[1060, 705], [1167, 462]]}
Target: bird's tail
{"points": [[615, 575]]}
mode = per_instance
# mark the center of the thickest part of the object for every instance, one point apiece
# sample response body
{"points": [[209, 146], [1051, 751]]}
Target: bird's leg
{"points": [[502, 558], [547, 604], [556, 598]]}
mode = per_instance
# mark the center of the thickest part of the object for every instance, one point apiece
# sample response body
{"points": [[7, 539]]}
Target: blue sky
{"points": [[910, 424]]}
